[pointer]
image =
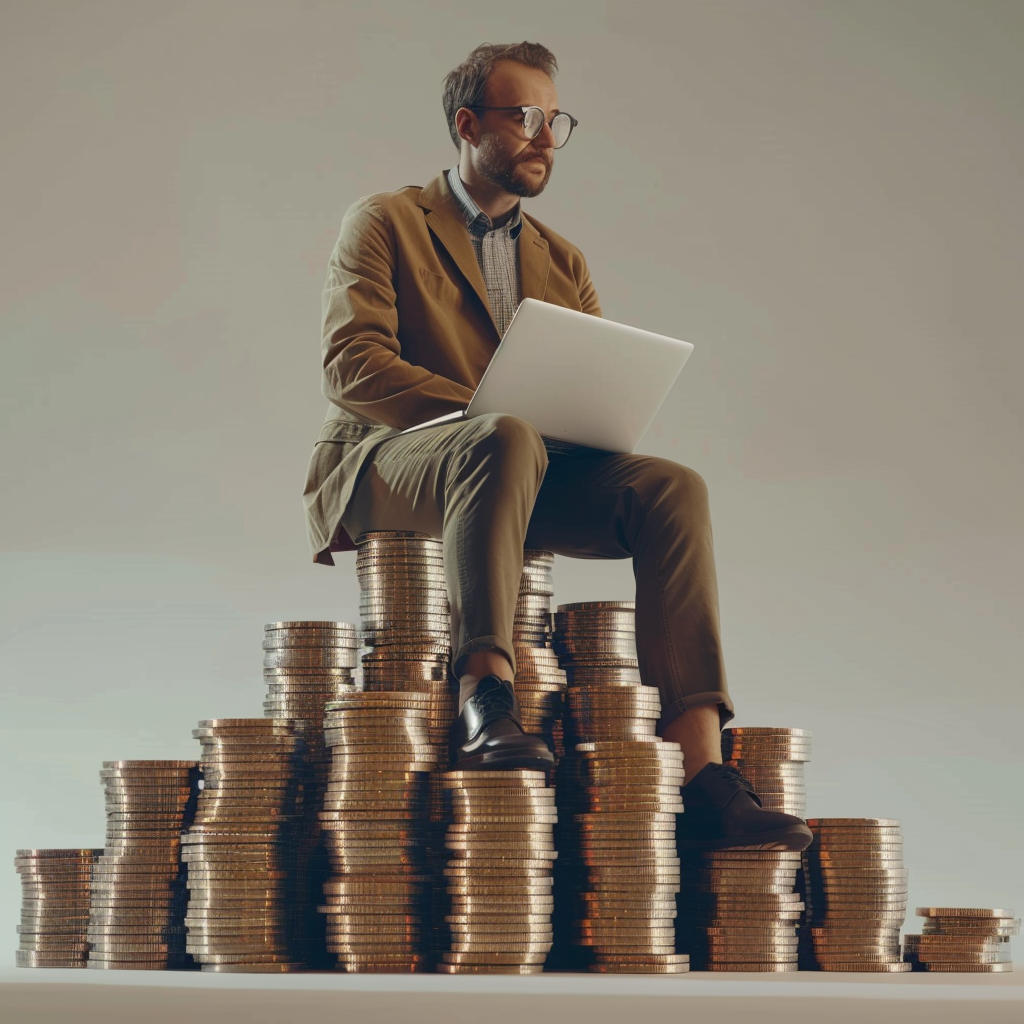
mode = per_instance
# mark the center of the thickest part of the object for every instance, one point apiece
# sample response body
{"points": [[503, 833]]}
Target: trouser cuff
{"points": [[673, 710], [482, 643]]}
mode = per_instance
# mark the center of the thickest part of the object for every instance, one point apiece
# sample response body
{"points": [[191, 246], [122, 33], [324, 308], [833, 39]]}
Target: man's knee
{"points": [[674, 487], [510, 438]]}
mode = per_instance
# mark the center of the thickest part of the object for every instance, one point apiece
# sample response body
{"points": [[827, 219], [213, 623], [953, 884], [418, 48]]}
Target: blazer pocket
{"points": [[438, 286]]}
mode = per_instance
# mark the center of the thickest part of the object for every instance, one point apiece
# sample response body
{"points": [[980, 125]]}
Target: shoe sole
{"points": [[501, 761], [794, 838]]}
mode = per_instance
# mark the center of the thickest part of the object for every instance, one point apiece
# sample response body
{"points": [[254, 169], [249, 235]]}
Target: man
{"points": [[420, 288]]}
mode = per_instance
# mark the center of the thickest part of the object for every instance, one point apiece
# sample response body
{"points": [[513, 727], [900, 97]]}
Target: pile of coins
{"points": [[855, 888], [595, 641], [499, 884], [967, 939], [376, 903], [738, 910], [620, 799], [241, 847], [772, 761], [54, 906], [306, 664], [138, 886]]}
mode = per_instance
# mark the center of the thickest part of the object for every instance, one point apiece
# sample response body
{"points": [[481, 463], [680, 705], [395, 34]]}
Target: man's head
{"points": [[494, 142]]}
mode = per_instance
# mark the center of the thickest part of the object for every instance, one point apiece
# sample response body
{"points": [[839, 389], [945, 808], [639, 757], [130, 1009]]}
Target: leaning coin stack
{"points": [[376, 903], [621, 799], [855, 889], [306, 664], [138, 884], [406, 623], [962, 939], [54, 907], [499, 882], [738, 910], [241, 847], [772, 761]]}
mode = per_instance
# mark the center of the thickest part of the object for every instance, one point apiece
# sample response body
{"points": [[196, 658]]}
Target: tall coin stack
{"points": [[501, 847], [963, 939], [772, 761], [138, 886], [376, 903], [855, 888], [738, 910], [241, 847], [306, 664], [54, 907]]}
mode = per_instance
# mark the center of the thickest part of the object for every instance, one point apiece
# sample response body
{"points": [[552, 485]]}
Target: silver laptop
{"points": [[576, 377]]}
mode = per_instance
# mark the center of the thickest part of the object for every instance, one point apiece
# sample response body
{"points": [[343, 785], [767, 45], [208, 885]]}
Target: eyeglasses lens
{"points": [[561, 125]]}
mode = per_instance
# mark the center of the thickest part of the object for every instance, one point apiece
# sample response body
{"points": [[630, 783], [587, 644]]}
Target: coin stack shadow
{"points": [[306, 664], [501, 847], [772, 761], [376, 903], [138, 883], [241, 848], [618, 797], [855, 889], [972, 940], [54, 907]]}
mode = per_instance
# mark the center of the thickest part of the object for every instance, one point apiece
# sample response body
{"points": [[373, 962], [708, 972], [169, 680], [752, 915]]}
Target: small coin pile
{"points": [[241, 846], [855, 889], [306, 664], [962, 939], [138, 888], [621, 799], [772, 761], [54, 907], [376, 903], [738, 910], [595, 641], [499, 884]]}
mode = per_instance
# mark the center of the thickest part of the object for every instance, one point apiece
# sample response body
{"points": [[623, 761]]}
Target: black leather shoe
{"points": [[488, 734], [723, 811]]}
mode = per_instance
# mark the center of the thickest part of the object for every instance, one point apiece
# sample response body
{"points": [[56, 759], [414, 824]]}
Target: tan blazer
{"points": [[408, 331]]}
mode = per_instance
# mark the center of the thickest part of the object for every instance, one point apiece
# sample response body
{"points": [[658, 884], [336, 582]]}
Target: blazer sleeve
{"points": [[588, 293], [363, 371]]}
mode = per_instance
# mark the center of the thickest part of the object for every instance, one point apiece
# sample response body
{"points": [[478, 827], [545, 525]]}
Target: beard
{"points": [[510, 173]]}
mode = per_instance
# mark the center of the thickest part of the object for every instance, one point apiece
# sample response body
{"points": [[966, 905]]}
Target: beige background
{"points": [[824, 197]]}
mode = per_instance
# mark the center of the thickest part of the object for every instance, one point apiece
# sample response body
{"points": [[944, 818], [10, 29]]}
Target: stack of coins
{"points": [[499, 882], [54, 907], [626, 711], [967, 939], [138, 886], [855, 888], [241, 847], [306, 664], [596, 642], [738, 910], [772, 761], [621, 799], [376, 903]]}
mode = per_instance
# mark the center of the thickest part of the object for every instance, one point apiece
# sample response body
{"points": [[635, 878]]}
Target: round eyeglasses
{"points": [[532, 120]]}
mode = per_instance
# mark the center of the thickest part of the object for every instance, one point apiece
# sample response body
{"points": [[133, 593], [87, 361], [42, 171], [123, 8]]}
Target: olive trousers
{"points": [[488, 489]]}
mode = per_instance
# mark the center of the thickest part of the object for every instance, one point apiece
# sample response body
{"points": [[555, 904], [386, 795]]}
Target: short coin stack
{"points": [[241, 847], [375, 815], [963, 939], [855, 888], [501, 848], [54, 906], [772, 761], [596, 641], [138, 887], [738, 910], [306, 664]]}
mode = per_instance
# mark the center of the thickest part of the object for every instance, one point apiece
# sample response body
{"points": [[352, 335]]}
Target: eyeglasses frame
{"points": [[532, 106]]}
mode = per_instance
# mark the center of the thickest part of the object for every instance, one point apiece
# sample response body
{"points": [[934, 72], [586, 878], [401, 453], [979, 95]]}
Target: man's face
{"points": [[505, 156]]}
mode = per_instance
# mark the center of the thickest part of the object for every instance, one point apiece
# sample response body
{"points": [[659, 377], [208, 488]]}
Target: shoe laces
{"points": [[731, 774], [495, 700]]}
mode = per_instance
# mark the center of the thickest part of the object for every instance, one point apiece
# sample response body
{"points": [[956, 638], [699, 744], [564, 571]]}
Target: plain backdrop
{"points": [[823, 197]]}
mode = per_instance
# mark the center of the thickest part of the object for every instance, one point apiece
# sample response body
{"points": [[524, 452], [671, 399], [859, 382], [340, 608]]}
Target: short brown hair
{"points": [[466, 85]]}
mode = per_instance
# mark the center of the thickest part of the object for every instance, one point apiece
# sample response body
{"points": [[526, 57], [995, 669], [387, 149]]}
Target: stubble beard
{"points": [[500, 169]]}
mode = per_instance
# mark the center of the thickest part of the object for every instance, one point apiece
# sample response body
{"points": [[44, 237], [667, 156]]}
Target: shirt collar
{"points": [[476, 220]]}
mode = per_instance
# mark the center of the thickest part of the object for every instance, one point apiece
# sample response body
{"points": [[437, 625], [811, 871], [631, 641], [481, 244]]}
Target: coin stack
{"points": [[377, 901], [596, 642], [963, 939], [622, 870], [499, 883], [855, 889], [54, 907], [241, 847], [306, 664], [738, 910], [772, 761]]}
